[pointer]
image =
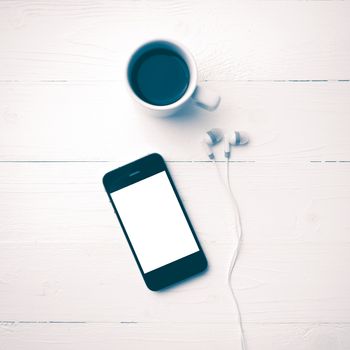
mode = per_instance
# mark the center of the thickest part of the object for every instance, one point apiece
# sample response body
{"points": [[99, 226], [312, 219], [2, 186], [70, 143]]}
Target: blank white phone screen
{"points": [[154, 222]]}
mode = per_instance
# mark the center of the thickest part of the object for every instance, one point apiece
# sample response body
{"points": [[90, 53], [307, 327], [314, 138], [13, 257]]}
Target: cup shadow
{"points": [[188, 112]]}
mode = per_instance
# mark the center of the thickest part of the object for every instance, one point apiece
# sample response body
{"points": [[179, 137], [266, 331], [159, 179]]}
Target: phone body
{"points": [[154, 221]]}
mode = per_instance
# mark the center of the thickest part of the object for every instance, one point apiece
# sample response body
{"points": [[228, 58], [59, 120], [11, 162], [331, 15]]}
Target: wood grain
{"points": [[62, 247], [237, 40], [287, 122], [99, 282], [67, 278], [173, 336], [65, 202]]}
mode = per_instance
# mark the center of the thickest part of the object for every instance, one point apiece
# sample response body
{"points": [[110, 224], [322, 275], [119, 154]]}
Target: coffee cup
{"points": [[162, 78]]}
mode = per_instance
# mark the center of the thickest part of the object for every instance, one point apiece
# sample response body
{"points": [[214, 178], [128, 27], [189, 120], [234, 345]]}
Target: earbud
{"points": [[236, 139], [211, 138]]}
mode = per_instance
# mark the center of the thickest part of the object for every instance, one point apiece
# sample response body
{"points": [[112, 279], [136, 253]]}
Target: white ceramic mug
{"points": [[202, 96]]}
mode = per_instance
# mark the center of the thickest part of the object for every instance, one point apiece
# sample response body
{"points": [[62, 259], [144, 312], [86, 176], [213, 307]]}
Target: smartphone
{"points": [[154, 222]]}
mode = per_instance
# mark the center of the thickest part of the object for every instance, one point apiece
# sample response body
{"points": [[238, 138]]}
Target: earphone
{"points": [[211, 138], [235, 139], [214, 136]]}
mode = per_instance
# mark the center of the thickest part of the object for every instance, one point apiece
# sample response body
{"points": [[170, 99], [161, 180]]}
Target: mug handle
{"points": [[206, 98]]}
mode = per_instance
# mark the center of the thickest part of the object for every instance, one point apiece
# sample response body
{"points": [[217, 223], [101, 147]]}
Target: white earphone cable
{"points": [[236, 251]]}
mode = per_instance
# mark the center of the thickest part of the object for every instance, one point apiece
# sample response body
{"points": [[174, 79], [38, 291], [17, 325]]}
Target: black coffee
{"points": [[160, 77]]}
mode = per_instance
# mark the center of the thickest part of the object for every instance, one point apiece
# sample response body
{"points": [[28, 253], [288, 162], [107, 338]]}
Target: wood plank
{"points": [[285, 203], [62, 248], [99, 282], [240, 40], [172, 336], [287, 122]]}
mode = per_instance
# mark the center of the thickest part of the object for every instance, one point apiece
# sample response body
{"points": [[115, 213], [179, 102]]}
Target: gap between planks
{"points": [[6, 322], [168, 161], [93, 81]]}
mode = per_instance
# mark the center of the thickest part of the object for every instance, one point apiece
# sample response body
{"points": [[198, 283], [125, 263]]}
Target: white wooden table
{"points": [[67, 277]]}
